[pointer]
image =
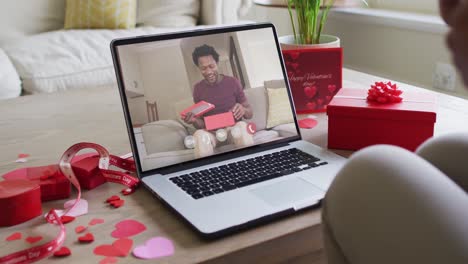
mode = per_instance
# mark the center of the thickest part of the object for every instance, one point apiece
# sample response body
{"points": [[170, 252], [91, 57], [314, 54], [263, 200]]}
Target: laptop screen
{"points": [[194, 97]]}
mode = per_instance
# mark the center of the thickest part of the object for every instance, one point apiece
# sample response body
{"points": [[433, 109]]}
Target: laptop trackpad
{"points": [[288, 192]]}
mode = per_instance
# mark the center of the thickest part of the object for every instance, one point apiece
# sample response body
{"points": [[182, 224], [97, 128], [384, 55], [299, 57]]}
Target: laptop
{"points": [[224, 180]]}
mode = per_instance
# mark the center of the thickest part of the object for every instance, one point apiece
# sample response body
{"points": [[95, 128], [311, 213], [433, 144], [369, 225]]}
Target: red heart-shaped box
{"points": [[20, 201], [54, 185]]}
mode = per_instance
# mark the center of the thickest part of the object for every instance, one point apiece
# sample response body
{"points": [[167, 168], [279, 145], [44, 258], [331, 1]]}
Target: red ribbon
{"points": [[39, 252]]}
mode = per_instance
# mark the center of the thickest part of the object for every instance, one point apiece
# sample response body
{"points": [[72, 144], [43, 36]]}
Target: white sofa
{"points": [[38, 56]]}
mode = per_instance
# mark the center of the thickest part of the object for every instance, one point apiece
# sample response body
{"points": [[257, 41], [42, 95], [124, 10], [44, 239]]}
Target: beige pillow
{"points": [[168, 13], [111, 14], [279, 107]]}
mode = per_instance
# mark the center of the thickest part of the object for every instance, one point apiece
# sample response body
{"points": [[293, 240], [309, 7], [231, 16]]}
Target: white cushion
{"points": [[71, 59], [168, 13], [258, 101], [10, 84], [20, 18]]}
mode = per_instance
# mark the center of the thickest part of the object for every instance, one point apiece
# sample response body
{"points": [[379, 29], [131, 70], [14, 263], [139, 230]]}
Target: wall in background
{"points": [[383, 47]]}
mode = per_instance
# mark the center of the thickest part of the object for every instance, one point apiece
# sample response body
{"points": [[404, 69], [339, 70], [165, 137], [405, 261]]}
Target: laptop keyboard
{"points": [[246, 172]]}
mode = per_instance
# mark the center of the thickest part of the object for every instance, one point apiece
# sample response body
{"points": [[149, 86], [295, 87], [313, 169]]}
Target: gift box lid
{"points": [[420, 106]]}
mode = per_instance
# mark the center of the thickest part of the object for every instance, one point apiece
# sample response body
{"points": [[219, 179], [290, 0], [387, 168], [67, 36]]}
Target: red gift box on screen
{"points": [[355, 123], [315, 76]]}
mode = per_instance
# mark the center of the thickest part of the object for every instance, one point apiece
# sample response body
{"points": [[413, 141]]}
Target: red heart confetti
{"points": [[120, 248], [96, 221], [33, 239], [88, 238], [62, 252], [128, 191], [384, 93], [67, 219], [310, 91], [14, 236], [108, 260], [112, 198], [128, 228], [117, 204], [307, 123], [23, 155], [80, 229]]}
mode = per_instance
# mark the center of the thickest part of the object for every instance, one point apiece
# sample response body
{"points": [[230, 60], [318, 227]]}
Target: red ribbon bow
{"points": [[384, 93]]}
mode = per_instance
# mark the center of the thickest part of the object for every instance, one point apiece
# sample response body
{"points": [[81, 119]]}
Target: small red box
{"points": [[222, 120], [88, 173], [355, 123], [20, 201]]}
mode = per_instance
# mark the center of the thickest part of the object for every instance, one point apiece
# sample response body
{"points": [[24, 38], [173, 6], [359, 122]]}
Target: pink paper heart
{"points": [[156, 247], [128, 228], [310, 91], [81, 207]]}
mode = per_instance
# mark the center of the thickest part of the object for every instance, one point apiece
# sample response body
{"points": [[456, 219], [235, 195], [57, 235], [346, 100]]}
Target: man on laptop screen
{"points": [[227, 95], [212, 127]]}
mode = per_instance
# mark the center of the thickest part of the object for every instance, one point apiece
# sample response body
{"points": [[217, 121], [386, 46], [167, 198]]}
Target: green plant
{"points": [[311, 18]]}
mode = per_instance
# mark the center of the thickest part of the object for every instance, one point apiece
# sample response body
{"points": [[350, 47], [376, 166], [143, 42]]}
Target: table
{"points": [[45, 125]]}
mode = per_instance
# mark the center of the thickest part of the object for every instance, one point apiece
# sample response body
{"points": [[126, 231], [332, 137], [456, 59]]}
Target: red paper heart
{"points": [[128, 228], [307, 123], [128, 191], [310, 92], [120, 248], [22, 155], [80, 229], [67, 219], [62, 252], [112, 198], [311, 105], [118, 203], [88, 238], [32, 239], [331, 88], [14, 236], [96, 221], [108, 260]]}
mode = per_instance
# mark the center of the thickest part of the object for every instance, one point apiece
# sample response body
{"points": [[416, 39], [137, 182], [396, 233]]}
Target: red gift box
{"points": [[88, 173], [20, 201], [315, 76], [355, 123]]}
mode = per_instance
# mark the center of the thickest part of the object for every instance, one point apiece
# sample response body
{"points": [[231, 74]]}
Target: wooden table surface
{"points": [[45, 125]]}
